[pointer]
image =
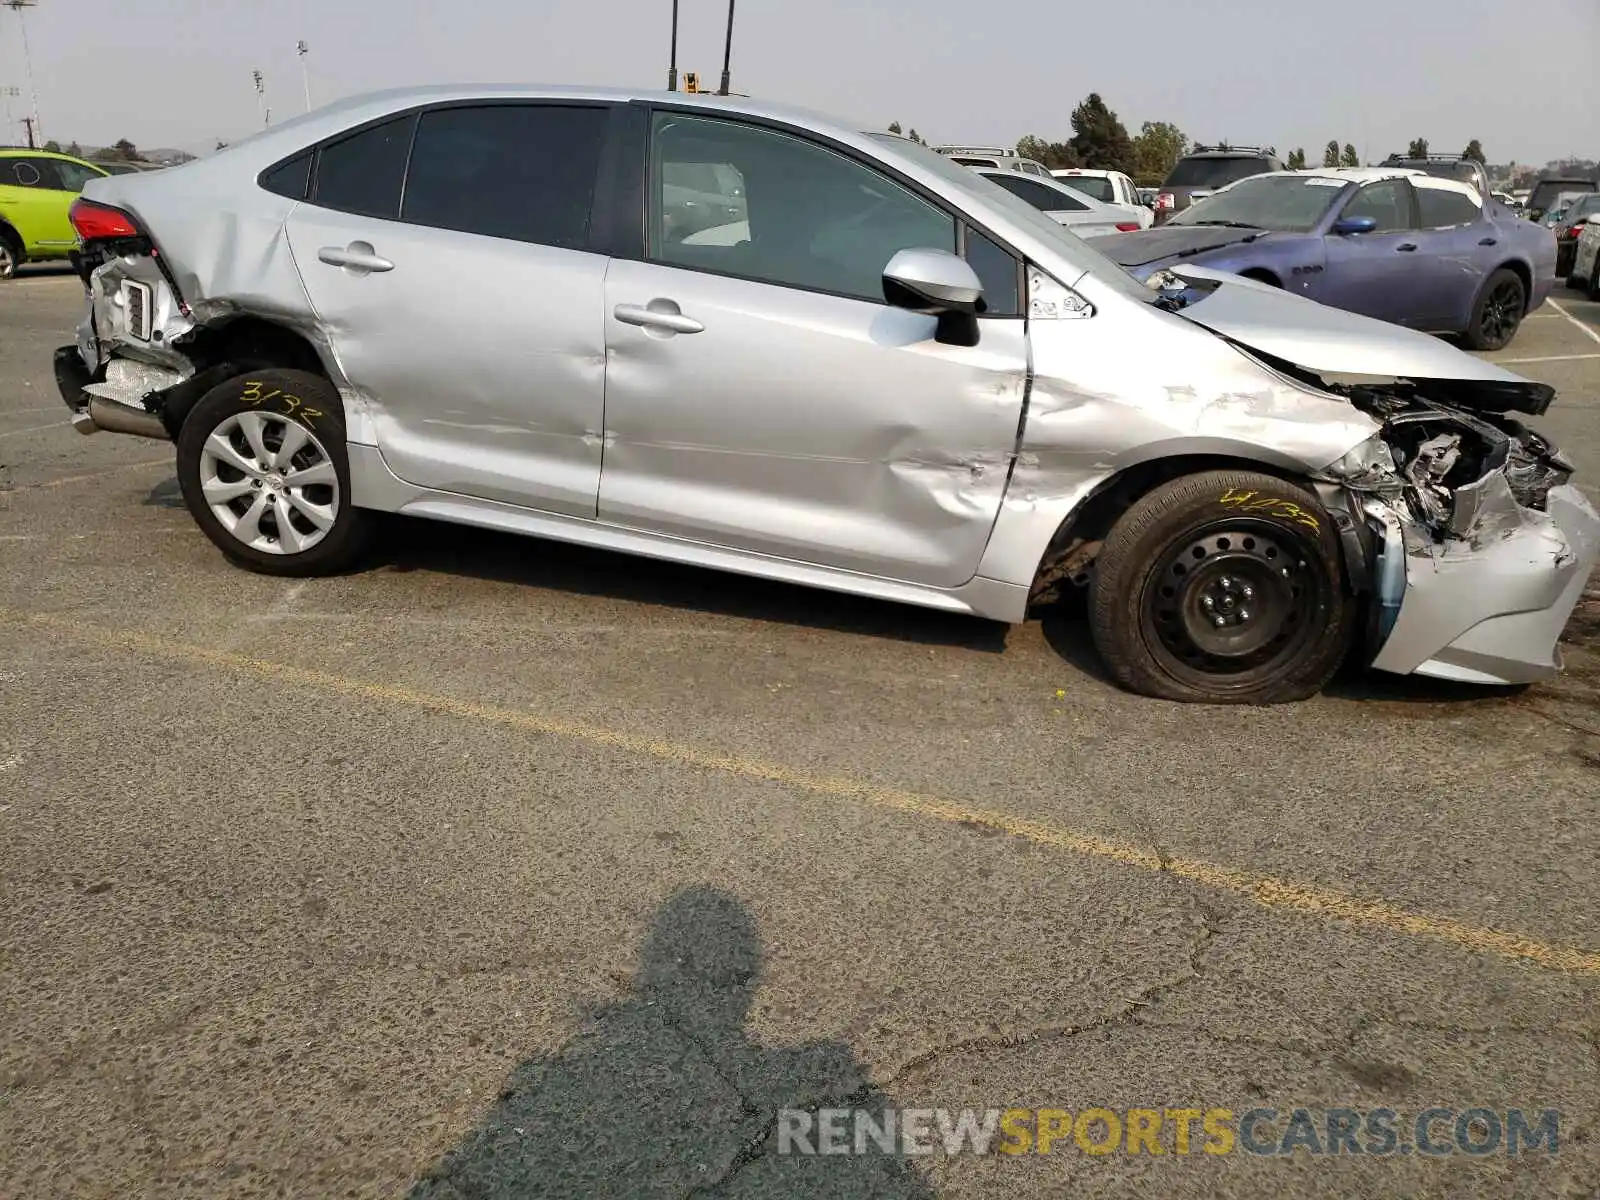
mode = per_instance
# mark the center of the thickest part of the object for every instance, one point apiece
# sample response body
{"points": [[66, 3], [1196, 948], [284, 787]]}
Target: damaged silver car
{"points": [[882, 375]]}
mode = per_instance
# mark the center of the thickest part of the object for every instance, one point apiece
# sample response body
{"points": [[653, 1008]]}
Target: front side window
{"points": [[520, 171], [364, 173], [72, 176], [1388, 203], [811, 218], [1441, 208], [1045, 199]]}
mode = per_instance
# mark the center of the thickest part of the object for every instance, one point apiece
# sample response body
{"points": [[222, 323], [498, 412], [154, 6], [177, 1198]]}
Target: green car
{"points": [[36, 190]]}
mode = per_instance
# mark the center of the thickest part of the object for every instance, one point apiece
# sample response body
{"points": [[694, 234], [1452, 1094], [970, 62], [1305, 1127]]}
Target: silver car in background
{"points": [[890, 377], [1084, 215]]}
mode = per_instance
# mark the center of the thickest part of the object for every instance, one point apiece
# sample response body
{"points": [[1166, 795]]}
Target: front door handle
{"points": [[357, 257], [1406, 247], [663, 315], [1486, 242]]}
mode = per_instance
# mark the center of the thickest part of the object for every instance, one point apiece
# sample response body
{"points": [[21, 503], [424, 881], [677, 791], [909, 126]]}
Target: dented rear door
{"points": [[461, 298], [760, 394]]}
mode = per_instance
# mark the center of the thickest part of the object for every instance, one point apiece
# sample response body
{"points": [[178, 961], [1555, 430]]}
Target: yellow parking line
{"points": [[1269, 891], [55, 483]]}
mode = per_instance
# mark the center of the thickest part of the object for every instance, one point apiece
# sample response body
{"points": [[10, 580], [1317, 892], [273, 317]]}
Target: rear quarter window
{"points": [[365, 172]]}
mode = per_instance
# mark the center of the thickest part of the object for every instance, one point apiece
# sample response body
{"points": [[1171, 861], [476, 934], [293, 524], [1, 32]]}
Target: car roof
{"points": [[1083, 171], [1365, 175], [18, 151]]}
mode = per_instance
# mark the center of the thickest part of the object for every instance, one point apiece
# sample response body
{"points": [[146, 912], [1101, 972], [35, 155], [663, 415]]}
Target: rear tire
{"points": [[1225, 588], [1594, 280], [1498, 313], [265, 473]]}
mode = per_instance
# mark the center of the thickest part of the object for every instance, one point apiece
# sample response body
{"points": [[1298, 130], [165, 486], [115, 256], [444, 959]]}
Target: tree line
{"points": [[1101, 142]]}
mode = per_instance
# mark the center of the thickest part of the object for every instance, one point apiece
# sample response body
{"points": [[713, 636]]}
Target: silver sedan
{"points": [[887, 376]]}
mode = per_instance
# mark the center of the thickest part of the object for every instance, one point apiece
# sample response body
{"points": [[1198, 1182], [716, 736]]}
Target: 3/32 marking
{"points": [[255, 395]]}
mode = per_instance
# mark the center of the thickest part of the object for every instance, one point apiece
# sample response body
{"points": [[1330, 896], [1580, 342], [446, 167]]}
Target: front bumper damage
{"points": [[1481, 547]]}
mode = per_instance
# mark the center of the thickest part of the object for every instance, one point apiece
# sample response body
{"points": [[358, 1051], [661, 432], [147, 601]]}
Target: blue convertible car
{"points": [[1385, 242]]}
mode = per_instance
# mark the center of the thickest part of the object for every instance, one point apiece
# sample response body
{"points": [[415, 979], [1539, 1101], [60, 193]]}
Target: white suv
{"points": [[989, 158]]}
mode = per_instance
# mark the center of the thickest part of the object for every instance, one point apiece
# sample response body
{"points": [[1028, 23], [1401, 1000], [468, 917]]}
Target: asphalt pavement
{"points": [[505, 868]]}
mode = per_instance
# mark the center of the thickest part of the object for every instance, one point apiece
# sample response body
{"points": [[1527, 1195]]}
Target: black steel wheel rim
{"points": [[1234, 602], [1502, 310]]}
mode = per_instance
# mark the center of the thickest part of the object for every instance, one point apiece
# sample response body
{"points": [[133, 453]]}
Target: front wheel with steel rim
{"points": [[264, 471], [1499, 311], [1223, 587]]}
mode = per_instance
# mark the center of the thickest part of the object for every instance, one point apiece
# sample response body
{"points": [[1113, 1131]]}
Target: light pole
{"points": [[727, 54], [305, 72], [672, 57], [8, 94], [261, 96], [17, 6]]}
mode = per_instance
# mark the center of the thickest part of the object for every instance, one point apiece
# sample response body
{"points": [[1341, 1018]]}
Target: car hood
{"points": [[1175, 241], [1342, 346]]}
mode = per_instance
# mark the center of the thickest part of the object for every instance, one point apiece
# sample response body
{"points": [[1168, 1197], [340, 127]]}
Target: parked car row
{"points": [[890, 376]]}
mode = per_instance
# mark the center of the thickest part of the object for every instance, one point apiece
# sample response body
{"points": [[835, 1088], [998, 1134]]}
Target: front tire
{"points": [[1594, 279], [265, 473], [1499, 311], [11, 256], [1226, 588]]}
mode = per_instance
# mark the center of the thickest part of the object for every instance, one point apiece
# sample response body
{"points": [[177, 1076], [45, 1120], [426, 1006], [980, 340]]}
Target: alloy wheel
{"points": [[270, 482], [1502, 311], [8, 260]]}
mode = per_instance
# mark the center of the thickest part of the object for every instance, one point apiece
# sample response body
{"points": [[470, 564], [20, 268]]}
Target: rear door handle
{"points": [[1406, 247], [659, 314], [357, 256], [1486, 242]]}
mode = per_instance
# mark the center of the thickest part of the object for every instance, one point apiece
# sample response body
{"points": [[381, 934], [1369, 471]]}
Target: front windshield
{"points": [[1096, 187], [1282, 202]]}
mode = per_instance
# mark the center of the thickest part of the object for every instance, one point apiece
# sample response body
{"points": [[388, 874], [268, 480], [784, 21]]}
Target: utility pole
{"points": [[28, 121], [305, 72], [261, 97], [8, 94], [727, 54], [672, 56], [17, 6]]}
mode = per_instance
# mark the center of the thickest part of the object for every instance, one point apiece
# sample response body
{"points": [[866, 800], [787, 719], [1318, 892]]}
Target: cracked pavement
{"points": [[261, 935]]}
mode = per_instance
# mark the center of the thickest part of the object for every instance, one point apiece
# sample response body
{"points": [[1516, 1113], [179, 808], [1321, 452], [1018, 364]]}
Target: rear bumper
{"points": [[1491, 608]]}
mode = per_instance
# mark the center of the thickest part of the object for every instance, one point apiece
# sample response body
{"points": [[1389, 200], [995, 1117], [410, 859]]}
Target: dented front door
{"points": [[807, 426]]}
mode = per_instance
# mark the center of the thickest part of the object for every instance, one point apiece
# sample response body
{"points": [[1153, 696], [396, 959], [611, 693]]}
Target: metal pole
{"points": [[27, 64], [305, 72], [672, 61], [727, 53]]}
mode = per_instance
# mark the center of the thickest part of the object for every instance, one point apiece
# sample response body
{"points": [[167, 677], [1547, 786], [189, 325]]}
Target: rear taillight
{"points": [[97, 221], [1165, 199], [1128, 227], [1576, 230]]}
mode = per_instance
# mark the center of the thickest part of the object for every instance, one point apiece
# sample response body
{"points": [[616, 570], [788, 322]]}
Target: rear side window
{"points": [[1045, 199], [364, 173], [520, 171], [1440, 209], [25, 172], [291, 179]]}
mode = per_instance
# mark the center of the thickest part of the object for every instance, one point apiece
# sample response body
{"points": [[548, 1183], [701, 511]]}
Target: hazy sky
{"points": [[1520, 76]]}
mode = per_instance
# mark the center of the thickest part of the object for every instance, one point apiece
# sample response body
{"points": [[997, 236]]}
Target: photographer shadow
{"points": [[666, 1094]]}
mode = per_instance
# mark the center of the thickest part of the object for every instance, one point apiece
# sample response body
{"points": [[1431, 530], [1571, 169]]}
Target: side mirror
{"points": [[940, 284], [1347, 225], [931, 281]]}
